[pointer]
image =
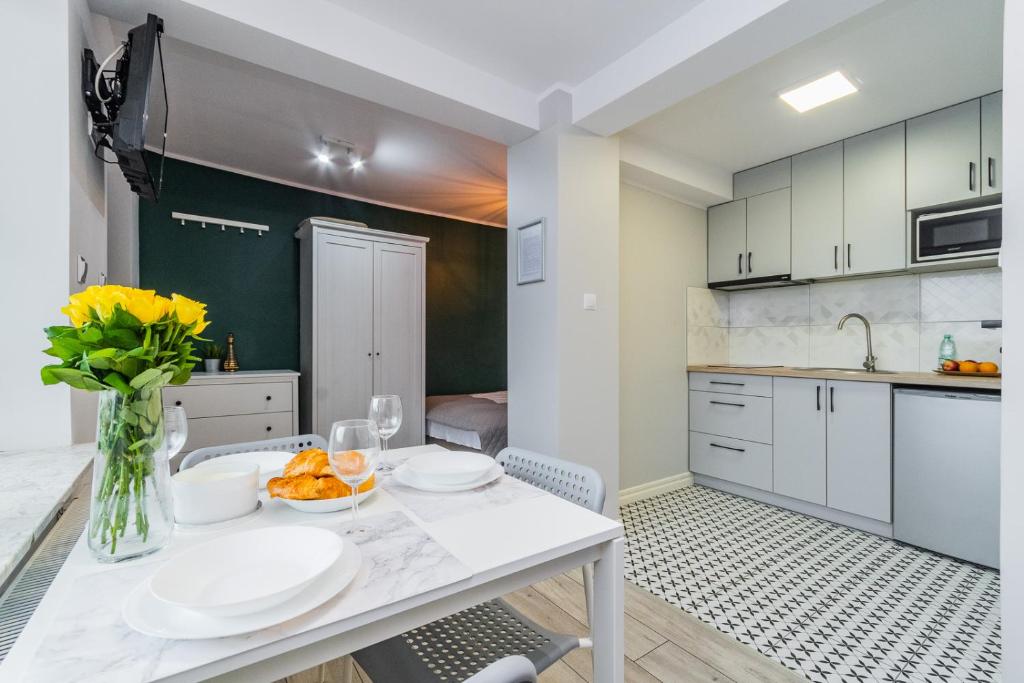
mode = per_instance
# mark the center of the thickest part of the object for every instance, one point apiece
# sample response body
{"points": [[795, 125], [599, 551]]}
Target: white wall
{"points": [[34, 211], [563, 361], [662, 252], [1012, 518]]}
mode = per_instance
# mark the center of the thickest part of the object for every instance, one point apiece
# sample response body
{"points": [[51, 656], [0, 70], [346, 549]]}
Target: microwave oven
{"points": [[965, 233]]}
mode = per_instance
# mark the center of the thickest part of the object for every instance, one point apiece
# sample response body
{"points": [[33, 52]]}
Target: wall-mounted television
{"points": [[119, 100]]}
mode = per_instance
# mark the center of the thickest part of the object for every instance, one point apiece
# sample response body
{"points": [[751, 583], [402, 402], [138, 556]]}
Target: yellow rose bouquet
{"points": [[128, 343]]}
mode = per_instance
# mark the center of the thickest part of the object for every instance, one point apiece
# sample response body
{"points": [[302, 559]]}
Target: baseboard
{"points": [[654, 488]]}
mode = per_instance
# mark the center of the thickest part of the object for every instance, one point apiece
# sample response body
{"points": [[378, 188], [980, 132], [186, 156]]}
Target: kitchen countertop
{"points": [[926, 379], [33, 487]]}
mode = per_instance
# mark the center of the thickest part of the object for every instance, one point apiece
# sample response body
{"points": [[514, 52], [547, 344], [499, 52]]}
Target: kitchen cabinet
{"points": [[817, 224], [768, 234], [859, 448], [727, 241], [874, 205], [761, 179], [991, 143], [799, 444], [741, 417], [943, 156], [735, 460]]}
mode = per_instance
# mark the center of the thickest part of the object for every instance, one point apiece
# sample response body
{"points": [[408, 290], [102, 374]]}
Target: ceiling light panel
{"points": [[816, 93]]}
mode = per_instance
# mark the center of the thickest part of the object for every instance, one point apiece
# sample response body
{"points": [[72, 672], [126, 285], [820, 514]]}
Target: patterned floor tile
{"points": [[832, 603]]}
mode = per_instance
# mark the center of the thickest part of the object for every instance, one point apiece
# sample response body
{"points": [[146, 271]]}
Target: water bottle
{"points": [[947, 349]]}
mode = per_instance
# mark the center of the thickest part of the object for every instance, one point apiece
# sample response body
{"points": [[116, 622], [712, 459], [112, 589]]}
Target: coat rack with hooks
{"points": [[222, 222]]}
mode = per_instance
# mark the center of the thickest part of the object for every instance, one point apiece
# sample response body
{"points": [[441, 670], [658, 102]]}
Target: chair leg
{"points": [[588, 592], [323, 673], [348, 669]]}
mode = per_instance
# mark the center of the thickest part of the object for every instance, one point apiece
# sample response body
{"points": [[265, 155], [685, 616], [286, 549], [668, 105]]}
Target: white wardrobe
{"points": [[361, 324]]}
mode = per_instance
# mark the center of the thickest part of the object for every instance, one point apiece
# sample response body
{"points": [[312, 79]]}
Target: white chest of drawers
{"points": [[235, 407]]}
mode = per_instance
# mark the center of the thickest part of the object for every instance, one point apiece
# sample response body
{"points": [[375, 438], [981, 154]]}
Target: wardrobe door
{"points": [[398, 334], [343, 330]]}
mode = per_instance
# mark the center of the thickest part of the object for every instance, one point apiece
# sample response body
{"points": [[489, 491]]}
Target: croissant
{"points": [[307, 487], [312, 461]]}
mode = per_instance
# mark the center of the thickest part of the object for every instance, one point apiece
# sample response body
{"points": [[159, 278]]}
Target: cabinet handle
{"points": [[835, 258], [268, 398], [970, 176], [832, 399], [177, 403], [991, 172], [818, 397], [728, 448], [739, 264], [849, 259], [731, 384], [726, 403], [750, 260], [369, 354], [269, 428]]}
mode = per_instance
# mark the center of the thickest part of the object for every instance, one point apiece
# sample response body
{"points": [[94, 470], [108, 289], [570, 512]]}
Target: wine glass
{"points": [[175, 430], [353, 451], [386, 413]]}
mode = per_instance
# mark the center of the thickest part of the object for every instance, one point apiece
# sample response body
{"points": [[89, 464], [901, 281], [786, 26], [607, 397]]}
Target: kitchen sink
{"points": [[852, 370]]}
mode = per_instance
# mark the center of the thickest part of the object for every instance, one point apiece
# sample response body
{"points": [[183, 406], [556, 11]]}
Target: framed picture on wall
{"points": [[530, 252]]}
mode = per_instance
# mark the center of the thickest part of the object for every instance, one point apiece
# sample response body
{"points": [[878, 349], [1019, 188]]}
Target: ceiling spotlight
{"points": [[355, 162], [322, 156]]}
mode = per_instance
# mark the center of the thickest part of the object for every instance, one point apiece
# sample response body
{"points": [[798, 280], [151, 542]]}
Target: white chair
{"points": [[284, 443]]}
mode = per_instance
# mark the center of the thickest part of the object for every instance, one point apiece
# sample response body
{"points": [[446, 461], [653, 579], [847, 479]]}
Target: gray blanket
{"points": [[462, 411]]}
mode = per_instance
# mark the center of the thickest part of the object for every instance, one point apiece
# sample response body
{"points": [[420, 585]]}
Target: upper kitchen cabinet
{"points": [[874, 205], [991, 143], [818, 213], [943, 156], [761, 179], [727, 241], [768, 234]]}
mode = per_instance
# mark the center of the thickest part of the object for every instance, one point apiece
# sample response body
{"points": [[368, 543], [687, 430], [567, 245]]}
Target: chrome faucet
{"points": [[869, 361]]}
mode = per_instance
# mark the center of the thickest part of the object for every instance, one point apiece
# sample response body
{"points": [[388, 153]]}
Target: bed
{"points": [[477, 421]]}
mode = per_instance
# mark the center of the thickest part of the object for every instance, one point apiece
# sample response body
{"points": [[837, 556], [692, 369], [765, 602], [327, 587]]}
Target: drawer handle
{"points": [[728, 448], [268, 398], [726, 403], [269, 428], [177, 403], [731, 384]]}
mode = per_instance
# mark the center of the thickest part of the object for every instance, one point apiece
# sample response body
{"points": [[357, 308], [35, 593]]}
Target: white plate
{"points": [[246, 572], [404, 476], [149, 616], [449, 468], [326, 504], [271, 463]]}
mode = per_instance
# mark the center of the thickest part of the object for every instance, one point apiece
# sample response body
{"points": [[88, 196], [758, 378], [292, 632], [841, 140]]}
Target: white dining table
{"points": [[426, 556]]}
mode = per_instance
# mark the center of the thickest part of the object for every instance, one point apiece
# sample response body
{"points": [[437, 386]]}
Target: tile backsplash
{"points": [[797, 325]]}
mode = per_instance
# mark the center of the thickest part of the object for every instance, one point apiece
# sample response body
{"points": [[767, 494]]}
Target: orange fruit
{"points": [[988, 367], [349, 462], [968, 366], [363, 488]]}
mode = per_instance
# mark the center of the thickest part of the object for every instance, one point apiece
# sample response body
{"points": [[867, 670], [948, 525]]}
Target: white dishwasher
{"points": [[946, 472]]}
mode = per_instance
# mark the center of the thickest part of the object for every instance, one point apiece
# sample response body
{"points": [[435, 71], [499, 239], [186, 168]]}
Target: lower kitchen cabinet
{"points": [[859, 448], [799, 427], [735, 460]]}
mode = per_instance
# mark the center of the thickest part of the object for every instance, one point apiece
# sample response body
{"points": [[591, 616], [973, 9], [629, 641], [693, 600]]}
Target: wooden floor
{"points": [[662, 643]]}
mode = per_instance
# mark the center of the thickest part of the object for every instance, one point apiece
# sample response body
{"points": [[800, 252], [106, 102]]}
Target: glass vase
{"points": [[131, 512]]}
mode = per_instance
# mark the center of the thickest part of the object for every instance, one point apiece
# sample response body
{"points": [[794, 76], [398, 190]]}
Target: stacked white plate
{"points": [[242, 582], [448, 471], [271, 463]]}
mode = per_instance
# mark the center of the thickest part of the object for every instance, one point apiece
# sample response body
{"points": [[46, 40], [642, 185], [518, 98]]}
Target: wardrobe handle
{"points": [[849, 260], [970, 175], [832, 399], [818, 397], [750, 259], [835, 258], [728, 448], [739, 264], [726, 403], [991, 172]]}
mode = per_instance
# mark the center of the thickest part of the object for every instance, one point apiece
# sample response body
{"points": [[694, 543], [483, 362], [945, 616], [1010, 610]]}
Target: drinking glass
{"points": [[386, 413], [175, 430], [353, 451]]}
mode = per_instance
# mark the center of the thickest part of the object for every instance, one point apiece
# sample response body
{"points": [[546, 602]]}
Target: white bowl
{"points": [[326, 504], [271, 463], [449, 467], [215, 493], [246, 572]]}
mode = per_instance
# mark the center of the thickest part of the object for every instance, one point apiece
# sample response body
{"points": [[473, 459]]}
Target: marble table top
{"points": [[33, 487]]}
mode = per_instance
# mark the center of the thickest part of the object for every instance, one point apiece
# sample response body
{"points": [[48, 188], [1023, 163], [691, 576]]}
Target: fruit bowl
{"points": [[970, 368]]}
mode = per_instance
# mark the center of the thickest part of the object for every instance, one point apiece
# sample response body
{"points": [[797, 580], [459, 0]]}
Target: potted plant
{"points": [[127, 344], [212, 355]]}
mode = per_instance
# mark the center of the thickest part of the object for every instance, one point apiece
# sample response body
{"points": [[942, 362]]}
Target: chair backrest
{"points": [[574, 482], [284, 443]]}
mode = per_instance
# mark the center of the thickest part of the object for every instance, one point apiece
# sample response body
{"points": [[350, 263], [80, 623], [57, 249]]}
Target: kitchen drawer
{"points": [[724, 383], [214, 400], [217, 431], [741, 417], [741, 462]]}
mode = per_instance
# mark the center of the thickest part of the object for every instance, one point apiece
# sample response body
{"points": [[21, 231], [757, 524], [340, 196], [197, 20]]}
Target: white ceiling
{"points": [[232, 113], [912, 56], [535, 44]]}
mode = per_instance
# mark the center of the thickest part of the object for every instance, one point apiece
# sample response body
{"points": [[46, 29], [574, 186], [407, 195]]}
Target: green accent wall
{"points": [[250, 284]]}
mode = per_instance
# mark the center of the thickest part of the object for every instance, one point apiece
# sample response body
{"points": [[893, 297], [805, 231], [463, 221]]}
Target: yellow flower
{"points": [[188, 311], [79, 307], [145, 305]]}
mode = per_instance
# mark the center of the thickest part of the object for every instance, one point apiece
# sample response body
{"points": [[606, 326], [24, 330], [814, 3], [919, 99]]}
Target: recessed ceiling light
{"points": [[819, 92]]}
